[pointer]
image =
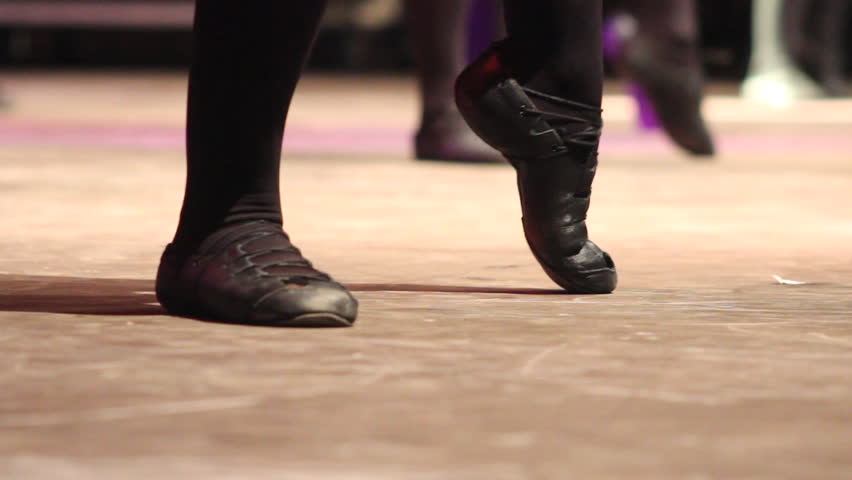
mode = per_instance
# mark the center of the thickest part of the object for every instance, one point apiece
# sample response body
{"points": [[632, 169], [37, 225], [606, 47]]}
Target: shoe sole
{"points": [[305, 320], [589, 286], [598, 282], [311, 320]]}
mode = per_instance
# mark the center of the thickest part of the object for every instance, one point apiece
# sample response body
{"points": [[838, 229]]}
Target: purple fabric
{"points": [[611, 40], [482, 28], [613, 46], [647, 115]]}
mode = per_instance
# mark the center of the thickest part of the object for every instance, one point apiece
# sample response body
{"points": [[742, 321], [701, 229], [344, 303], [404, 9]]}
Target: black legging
{"points": [[247, 60], [249, 56], [436, 27], [815, 34], [558, 42]]}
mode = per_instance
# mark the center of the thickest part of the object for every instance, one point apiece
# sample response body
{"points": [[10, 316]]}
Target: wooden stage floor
{"points": [[464, 363]]}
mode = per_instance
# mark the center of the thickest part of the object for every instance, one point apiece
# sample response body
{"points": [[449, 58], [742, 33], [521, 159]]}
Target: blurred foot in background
{"points": [[814, 34], [660, 53], [5, 101], [438, 31]]}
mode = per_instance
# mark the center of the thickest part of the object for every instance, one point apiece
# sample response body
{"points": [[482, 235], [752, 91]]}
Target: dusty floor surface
{"points": [[464, 364]]}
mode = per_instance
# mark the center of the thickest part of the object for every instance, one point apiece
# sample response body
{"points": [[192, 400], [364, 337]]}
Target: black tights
{"points": [[664, 19], [437, 27], [247, 60], [815, 34], [556, 44], [672, 25], [249, 57]]}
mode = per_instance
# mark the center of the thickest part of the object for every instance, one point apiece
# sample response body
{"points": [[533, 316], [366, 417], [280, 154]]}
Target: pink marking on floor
{"points": [[380, 140]]}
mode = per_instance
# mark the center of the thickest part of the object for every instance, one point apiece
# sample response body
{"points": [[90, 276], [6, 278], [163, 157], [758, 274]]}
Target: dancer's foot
{"points": [[552, 143], [250, 273], [445, 137], [831, 81], [672, 79]]}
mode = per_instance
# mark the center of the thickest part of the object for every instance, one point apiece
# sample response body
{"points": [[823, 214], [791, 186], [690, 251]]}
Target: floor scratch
{"points": [[530, 364], [830, 339], [129, 412]]}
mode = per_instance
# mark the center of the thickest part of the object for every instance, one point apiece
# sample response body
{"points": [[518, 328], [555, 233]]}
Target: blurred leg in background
{"points": [[230, 260], [536, 98], [438, 32], [815, 36], [661, 54]]}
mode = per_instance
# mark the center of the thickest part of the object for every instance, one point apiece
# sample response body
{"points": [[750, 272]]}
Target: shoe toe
{"points": [[590, 271], [311, 305], [691, 134]]}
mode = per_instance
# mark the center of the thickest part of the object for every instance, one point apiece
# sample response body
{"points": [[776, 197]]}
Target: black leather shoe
{"points": [[444, 137], [251, 274], [673, 81], [555, 155]]}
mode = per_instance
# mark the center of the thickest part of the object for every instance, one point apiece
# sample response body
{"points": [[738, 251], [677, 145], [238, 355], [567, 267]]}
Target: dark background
{"points": [[725, 24]]}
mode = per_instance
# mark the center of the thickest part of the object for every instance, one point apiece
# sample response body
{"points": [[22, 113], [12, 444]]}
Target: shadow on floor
{"points": [[407, 287], [118, 296], [92, 296]]}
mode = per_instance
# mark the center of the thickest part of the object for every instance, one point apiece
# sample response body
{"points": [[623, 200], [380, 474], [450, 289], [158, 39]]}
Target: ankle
{"points": [[190, 237]]}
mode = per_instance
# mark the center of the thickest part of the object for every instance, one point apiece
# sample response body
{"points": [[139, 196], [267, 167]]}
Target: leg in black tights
{"points": [[556, 47], [831, 24], [230, 259], [536, 98], [663, 58], [672, 21], [814, 34], [438, 31]]}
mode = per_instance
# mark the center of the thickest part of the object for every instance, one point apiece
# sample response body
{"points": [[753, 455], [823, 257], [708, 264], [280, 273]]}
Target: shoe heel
{"points": [[168, 293]]}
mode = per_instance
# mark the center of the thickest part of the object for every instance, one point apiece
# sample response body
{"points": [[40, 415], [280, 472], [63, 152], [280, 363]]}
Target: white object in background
{"points": [[772, 76]]}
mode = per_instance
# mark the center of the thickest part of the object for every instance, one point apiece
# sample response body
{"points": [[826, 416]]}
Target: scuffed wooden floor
{"points": [[464, 364]]}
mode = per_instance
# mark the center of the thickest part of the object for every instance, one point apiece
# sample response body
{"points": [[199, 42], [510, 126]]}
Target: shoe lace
{"points": [[281, 260], [587, 137]]}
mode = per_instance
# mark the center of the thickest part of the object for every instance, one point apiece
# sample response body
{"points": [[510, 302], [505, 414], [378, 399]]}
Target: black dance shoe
{"points": [[671, 77], [552, 143], [444, 137], [251, 274]]}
